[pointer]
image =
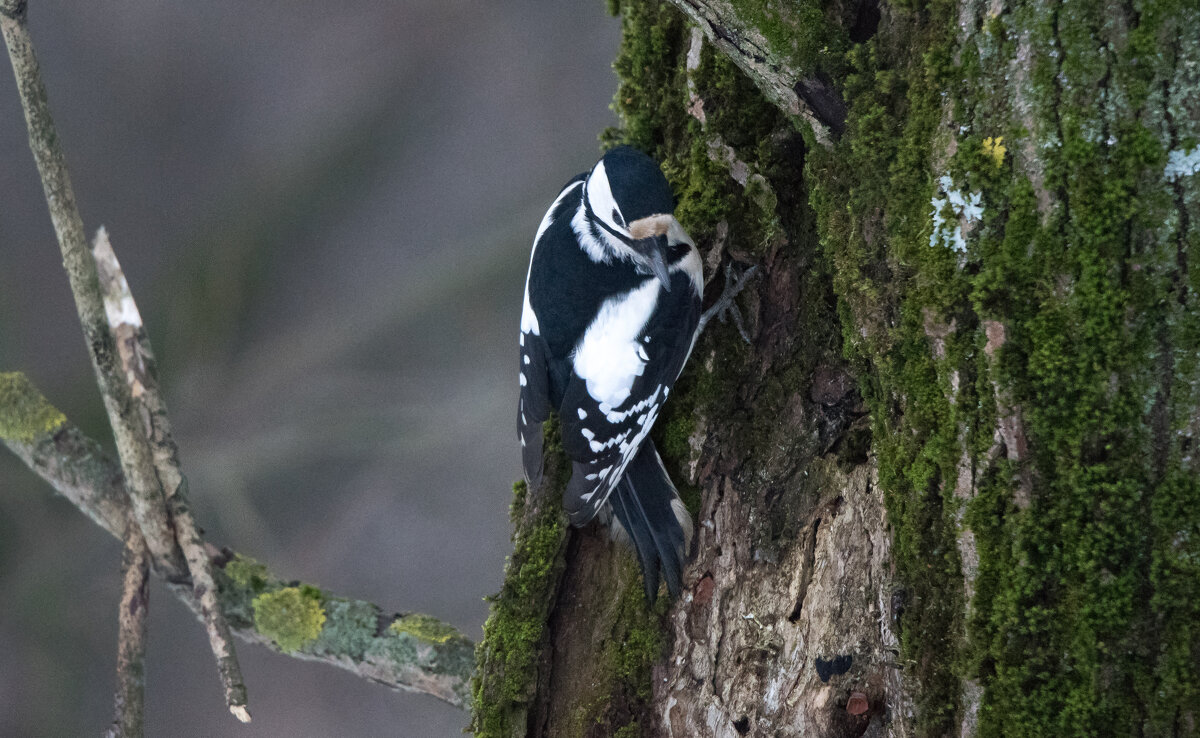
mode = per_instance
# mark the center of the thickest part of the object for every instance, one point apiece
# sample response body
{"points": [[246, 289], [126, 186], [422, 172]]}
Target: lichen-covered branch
{"points": [[130, 700], [75, 465], [411, 652], [140, 375]]}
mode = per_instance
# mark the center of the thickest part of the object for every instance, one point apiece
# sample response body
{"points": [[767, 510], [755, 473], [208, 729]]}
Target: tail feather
{"points": [[649, 510]]}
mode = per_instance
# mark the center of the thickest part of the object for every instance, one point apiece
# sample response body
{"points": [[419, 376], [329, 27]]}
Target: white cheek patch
{"points": [[691, 266], [600, 197], [607, 357], [600, 245]]}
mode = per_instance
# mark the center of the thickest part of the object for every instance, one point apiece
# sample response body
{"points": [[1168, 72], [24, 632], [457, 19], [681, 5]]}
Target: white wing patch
{"points": [[618, 416], [607, 356]]}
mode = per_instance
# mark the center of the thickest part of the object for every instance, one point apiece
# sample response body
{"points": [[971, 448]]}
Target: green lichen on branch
{"points": [[410, 651], [292, 617], [25, 414], [247, 573], [424, 627]]}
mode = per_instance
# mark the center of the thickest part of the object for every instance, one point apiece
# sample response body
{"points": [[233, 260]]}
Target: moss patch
{"points": [[505, 681], [872, 196], [1069, 260], [24, 413], [292, 617]]}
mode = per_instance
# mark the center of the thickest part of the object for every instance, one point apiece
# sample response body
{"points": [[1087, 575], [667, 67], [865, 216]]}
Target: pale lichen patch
{"points": [[1182, 163], [961, 207]]}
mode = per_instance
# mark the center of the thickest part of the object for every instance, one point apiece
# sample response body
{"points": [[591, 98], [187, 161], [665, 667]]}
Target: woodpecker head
{"points": [[629, 211]]}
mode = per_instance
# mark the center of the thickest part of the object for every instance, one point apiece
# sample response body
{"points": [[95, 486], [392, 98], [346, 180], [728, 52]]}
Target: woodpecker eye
{"points": [[616, 216]]}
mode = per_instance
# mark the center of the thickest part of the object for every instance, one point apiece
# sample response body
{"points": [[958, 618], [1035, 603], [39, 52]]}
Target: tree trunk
{"points": [[948, 486]]}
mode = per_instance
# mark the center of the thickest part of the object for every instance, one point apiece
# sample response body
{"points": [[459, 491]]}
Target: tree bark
{"points": [[948, 488]]}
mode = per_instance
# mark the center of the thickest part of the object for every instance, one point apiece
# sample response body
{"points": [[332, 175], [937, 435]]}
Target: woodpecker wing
{"points": [[536, 363], [623, 369], [533, 406]]}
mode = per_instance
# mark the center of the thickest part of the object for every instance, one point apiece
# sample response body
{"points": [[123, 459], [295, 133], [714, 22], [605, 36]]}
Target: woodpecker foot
{"points": [[725, 304]]}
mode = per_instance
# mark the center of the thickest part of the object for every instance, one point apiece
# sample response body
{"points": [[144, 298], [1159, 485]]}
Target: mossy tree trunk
{"points": [[948, 487]]}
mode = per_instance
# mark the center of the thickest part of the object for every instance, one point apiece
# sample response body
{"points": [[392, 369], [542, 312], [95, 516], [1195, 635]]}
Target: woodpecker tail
{"points": [[648, 510]]}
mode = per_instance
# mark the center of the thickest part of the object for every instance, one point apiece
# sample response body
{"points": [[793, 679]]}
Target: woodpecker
{"points": [[611, 313]]}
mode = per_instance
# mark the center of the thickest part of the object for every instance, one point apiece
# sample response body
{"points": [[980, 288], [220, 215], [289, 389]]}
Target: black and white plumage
{"points": [[612, 303]]}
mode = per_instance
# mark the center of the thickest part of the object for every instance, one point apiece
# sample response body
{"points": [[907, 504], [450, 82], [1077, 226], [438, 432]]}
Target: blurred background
{"points": [[325, 212]]}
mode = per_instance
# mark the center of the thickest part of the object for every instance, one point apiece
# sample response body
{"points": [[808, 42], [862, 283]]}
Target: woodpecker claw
{"points": [[725, 304]]}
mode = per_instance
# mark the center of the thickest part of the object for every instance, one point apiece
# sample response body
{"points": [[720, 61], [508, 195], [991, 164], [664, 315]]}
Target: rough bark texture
{"points": [[948, 488], [129, 703]]}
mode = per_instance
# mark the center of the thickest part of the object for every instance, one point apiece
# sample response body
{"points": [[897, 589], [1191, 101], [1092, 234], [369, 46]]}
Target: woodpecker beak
{"points": [[652, 250], [653, 235], [659, 267]]}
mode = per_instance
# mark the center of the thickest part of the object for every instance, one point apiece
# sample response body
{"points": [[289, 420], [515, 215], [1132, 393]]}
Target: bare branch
{"points": [[148, 506], [409, 652], [130, 703], [140, 374]]}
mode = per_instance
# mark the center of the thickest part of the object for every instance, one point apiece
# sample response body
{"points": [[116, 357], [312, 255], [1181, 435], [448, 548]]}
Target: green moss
{"points": [[871, 194], [631, 654], [630, 730], [425, 628], [1085, 604], [1068, 610], [619, 687], [292, 617], [24, 413], [512, 636], [805, 33]]}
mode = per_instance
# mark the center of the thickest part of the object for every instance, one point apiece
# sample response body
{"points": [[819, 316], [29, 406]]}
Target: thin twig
{"points": [[140, 373], [414, 653], [148, 506], [130, 702], [147, 474]]}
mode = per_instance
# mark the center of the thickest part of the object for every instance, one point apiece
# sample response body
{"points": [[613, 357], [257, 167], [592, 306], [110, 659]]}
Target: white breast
{"points": [[608, 357]]}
